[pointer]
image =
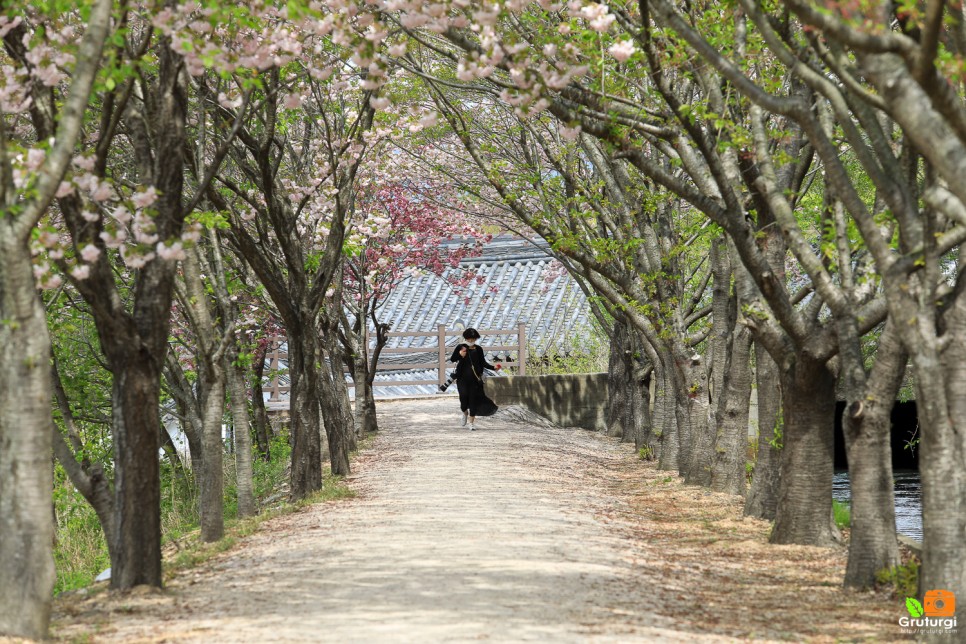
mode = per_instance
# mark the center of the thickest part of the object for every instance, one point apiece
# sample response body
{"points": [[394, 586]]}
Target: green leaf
{"points": [[914, 607]]}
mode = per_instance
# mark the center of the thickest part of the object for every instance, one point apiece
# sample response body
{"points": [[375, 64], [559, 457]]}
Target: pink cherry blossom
{"points": [[81, 272], [623, 50], [90, 253], [144, 198]]}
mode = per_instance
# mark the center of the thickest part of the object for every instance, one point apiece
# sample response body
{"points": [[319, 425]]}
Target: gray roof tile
{"points": [[517, 269]]}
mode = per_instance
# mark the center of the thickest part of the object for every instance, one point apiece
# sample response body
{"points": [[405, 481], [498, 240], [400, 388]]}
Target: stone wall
{"points": [[572, 400]]}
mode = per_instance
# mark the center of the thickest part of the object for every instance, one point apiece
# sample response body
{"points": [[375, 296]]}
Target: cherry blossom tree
{"points": [[401, 233], [32, 165], [289, 190]]}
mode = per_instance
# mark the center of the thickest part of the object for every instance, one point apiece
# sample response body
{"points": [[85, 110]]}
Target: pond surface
{"points": [[908, 500]]}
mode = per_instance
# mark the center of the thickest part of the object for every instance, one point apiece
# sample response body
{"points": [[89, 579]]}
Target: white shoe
{"points": [[472, 427], [463, 424]]}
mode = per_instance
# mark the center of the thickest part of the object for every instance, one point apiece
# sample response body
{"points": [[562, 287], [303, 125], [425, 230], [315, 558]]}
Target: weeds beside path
{"points": [[512, 532]]}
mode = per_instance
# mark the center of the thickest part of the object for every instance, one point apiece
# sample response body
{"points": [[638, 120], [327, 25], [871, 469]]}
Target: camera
{"points": [[939, 603], [449, 381]]}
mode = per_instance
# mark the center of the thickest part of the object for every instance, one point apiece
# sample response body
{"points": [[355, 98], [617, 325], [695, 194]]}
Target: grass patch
{"points": [[843, 514], [904, 578], [585, 350], [80, 550], [192, 551], [80, 553]]}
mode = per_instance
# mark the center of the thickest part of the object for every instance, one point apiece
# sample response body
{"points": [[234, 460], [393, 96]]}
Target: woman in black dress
{"points": [[470, 363]]}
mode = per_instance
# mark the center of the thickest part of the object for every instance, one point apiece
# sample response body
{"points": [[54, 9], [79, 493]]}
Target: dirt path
{"points": [[514, 532]]}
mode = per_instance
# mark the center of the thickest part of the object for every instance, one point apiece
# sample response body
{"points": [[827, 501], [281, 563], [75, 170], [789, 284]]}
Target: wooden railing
{"points": [[275, 356], [441, 363]]}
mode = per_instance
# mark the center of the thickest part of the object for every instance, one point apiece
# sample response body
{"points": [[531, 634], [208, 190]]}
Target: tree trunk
{"points": [[259, 414], [360, 380], [731, 418], [209, 402], [135, 341], [804, 512], [370, 423], [340, 391], [941, 403], [641, 397], [26, 477], [620, 377], [244, 484], [382, 338], [628, 390], [338, 428], [665, 418], [137, 490], [303, 357], [27, 574], [702, 429], [190, 422], [707, 432], [212, 483], [640, 412], [695, 429], [762, 499], [357, 359], [872, 541]]}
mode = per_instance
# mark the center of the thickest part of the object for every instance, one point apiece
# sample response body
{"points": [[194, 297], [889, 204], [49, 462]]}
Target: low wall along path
{"points": [[519, 531]]}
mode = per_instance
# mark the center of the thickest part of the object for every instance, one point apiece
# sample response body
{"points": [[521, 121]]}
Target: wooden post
{"points": [[522, 348], [441, 331], [274, 358]]}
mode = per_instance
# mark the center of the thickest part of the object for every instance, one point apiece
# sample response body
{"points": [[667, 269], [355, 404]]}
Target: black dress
{"points": [[469, 380]]}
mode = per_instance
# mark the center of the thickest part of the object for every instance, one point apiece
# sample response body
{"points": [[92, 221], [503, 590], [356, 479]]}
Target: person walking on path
{"points": [[470, 363]]}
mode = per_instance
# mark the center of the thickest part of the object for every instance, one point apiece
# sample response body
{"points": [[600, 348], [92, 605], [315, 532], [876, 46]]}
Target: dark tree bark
{"points": [[665, 421], [628, 389], [639, 429], [360, 363], [341, 411], [867, 427], [369, 399], [303, 355], [27, 573], [699, 469], [242, 434], [762, 499], [620, 373], [804, 511], [134, 340], [731, 418], [263, 432]]}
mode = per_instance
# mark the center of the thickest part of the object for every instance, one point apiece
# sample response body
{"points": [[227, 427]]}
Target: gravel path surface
{"points": [[513, 532]]}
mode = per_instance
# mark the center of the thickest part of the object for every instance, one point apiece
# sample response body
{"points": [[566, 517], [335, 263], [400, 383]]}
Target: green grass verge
{"points": [[843, 514], [80, 553]]}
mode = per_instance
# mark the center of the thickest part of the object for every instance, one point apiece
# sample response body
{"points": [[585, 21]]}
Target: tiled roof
{"points": [[515, 290]]}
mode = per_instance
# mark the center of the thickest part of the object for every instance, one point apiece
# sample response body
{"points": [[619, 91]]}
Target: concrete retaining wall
{"points": [[578, 400]]}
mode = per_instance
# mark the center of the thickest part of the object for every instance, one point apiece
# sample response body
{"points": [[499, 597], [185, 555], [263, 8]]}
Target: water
{"points": [[908, 500]]}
